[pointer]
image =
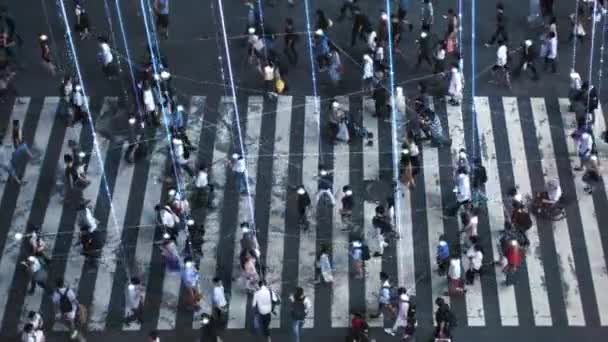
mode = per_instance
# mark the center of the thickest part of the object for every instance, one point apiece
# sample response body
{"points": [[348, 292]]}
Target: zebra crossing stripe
{"points": [[238, 299], [278, 193], [506, 294], [371, 165], [599, 129], [172, 281], [405, 243], [217, 172], [18, 113], [591, 230], [521, 174], [310, 165], [473, 297], [75, 260], [340, 308], [31, 174], [52, 218], [434, 212], [563, 245]]}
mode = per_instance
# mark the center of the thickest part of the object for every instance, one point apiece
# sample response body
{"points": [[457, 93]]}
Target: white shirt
{"points": [[168, 218], [371, 44], [190, 276], [368, 70], [219, 297], [86, 218], [239, 166], [575, 81], [463, 188], [148, 97], [134, 297], [552, 48], [455, 271], [106, 54], [585, 144], [440, 54], [501, 55], [554, 194], [262, 299], [202, 179], [268, 73], [77, 98], [178, 149], [36, 321], [475, 257], [35, 266]]}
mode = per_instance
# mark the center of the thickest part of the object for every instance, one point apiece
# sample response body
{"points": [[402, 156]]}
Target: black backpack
{"points": [[365, 253], [298, 310], [65, 304]]}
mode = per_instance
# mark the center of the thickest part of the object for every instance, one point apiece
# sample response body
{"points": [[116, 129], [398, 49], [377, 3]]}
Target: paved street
{"points": [[521, 135]]}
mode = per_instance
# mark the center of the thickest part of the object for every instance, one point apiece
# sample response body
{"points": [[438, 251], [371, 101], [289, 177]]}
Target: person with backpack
{"points": [[37, 272], [300, 306], [384, 296], [66, 306], [412, 322], [445, 319]]}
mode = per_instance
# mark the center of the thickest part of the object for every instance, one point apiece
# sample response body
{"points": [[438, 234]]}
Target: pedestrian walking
{"points": [[291, 38], [356, 255], [584, 149], [456, 86], [424, 49], [82, 25], [167, 218], [300, 307], [249, 272], [35, 319], [347, 5], [325, 186], [335, 66], [443, 255], [475, 256], [303, 205], [46, 55], [202, 189], [191, 282], [66, 306], [578, 30], [153, 336], [219, 303], [439, 56], [445, 320], [592, 173], [368, 73], [324, 267], [550, 52], [179, 151], [32, 335], [406, 176], [455, 281], [500, 70], [170, 253], [321, 49], [384, 297], [161, 9], [348, 203], [37, 272], [527, 60], [361, 27], [462, 190], [501, 26], [402, 309], [427, 14], [262, 305], [134, 301], [239, 168], [85, 218], [106, 57], [512, 260]]}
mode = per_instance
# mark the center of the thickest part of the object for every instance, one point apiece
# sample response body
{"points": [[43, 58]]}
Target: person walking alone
{"points": [[262, 305], [300, 306]]}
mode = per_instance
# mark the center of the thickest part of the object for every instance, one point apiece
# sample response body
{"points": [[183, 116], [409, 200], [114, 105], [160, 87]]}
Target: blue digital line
{"points": [[313, 70], [575, 39], [474, 135], [591, 51]]}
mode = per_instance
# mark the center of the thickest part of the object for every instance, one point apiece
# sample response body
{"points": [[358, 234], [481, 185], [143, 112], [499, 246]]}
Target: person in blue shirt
{"points": [[21, 154], [443, 255], [321, 49], [161, 8]]}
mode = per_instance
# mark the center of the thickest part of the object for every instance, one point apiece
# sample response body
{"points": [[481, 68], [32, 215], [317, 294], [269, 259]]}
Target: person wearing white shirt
{"points": [[180, 155], [37, 272], [106, 57], [262, 303], [368, 73], [202, 188], [63, 294], [134, 301], [456, 86], [500, 69], [584, 146], [462, 189], [218, 300], [475, 256], [190, 280], [401, 317], [239, 167], [30, 334], [550, 50], [455, 285], [167, 217]]}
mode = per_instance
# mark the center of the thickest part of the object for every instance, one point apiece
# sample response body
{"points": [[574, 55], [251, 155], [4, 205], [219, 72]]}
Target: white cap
{"points": [[335, 105], [348, 192], [166, 236], [165, 75], [176, 141], [18, 236], [31, 259], [245, 229], [514, 243], [367, 58], [301, 191], [43, 37], [81, 154], [180, 108], [235, 156], [462, 154], [190, 222], [357, 244], [131, 121], [442, 243], [454, 69], [251, 30], [423, 34], [323, 172], [594, 157], [405, 151], [172, 192], [383, 16], [528, 42], [131, 287], [319, 32], [205, 320], [404, 297], [517, 197], [189, 264], [156, 76], [78, 87]]}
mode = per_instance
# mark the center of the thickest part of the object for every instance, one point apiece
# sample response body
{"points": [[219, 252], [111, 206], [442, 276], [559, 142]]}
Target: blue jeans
{"points": [[297, 326], [241, 181]]}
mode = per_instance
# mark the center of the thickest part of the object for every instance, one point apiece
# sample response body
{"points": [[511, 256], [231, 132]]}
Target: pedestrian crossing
{"points": [[521, 141]]}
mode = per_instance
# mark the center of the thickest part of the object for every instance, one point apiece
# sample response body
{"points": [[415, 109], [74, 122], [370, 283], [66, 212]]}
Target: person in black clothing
{"points": [[528, 56], [347, 5], [209, 327], [501, 26], [380, 96], [71, 174], [303, 203], [323, 23], [381, 222], [590, 99], [290, 42], [444, 319], [424, 49], [361, 26], [348, 202]]}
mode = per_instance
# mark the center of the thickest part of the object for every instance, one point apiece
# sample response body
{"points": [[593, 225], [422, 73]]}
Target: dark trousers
{"points": [[423, 56], [264, 321], [346, 6], [292, 55], [136, 315], [550, 62], [500, 32], [530, 66]]}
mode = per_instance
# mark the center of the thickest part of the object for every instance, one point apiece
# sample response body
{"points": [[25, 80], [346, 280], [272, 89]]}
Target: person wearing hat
{"points": [[462, 189], [202, 188], [405, 169], [424, 49], [592, 173], [584, 149], [179, 151], [455, 281], [356, 254], [324, 266], [191, 282], [209, 326], [149, 100], [384, 296], [37, 272], [325, 186], [500, 70], [47, 57], [170, 253], [368, 73], [527, 60], [348, 203], [321, 49], [106, 57], [219, 303], [134, 301], [303, 204], [550, 52], [402, 309], [456, 86], [513, 255], [443, 255], [239, 168]]}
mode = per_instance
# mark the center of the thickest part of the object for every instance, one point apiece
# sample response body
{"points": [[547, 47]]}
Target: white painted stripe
{"points": [[217, 175], [18, 113], [506, 294], [75, 260], [25, 197], [591, 231], [110, 252], [278, 193], [238, 298], [521, 175], [371, 166], [310, 166], [340, 308], [52, 216], [172, 282], [434, 215], [474, 300], [405, 243], [598, 129], [563, 245]]}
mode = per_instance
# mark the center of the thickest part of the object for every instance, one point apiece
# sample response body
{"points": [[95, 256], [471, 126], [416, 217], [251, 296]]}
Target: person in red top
{"points": [[514, 254], [357, 326]]}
